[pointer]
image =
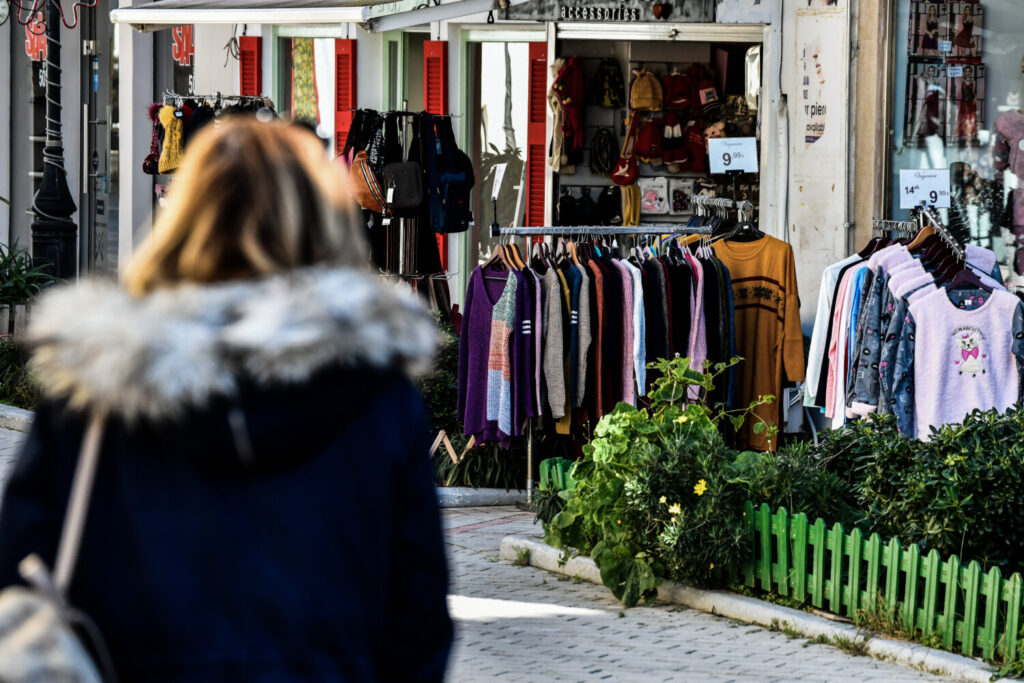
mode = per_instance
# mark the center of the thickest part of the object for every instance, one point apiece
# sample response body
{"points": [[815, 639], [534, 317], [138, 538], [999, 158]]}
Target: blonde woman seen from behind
{"points": [[263, 508]]}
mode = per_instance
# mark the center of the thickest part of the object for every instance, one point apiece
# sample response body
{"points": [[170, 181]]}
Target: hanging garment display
{"points": [[178, 118], [767, 328], [599, 316], [304, 101], [915, 328]]}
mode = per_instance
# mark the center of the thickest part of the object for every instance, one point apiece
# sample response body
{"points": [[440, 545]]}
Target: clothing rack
{"points": [[171, 95], [943, 232], [401, 112], [497, 231], [907, 228], [721, 203], [601, 230]]}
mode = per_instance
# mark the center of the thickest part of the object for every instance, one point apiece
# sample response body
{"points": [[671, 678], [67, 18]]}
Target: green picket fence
{"points": [[972, 612], [554, 474]]}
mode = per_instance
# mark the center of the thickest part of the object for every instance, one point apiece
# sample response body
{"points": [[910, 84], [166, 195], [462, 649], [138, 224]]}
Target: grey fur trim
{"points": [[101, 348]]}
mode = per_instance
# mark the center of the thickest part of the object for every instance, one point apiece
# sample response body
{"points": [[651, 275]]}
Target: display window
{"points": [[958, 105], [632, 125]]}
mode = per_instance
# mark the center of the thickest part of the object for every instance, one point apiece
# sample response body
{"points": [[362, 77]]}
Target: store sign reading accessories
{"points": [[613, 11], [733, 155], [924, 186]]}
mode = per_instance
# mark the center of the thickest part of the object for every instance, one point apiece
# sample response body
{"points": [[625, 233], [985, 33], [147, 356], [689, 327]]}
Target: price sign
{"points": [[928, 186], [955, 71], [733, 154], [945, 46], [499, 175]]}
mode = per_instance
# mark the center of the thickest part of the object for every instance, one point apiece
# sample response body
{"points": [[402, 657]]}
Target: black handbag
{"points": [[403, 180]]}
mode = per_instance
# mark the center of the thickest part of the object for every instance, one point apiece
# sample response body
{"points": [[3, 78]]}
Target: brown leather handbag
{"points": [[365, 185]]}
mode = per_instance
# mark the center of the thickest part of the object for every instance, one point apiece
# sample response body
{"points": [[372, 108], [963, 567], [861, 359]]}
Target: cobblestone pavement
{"points": [[525, 624]]}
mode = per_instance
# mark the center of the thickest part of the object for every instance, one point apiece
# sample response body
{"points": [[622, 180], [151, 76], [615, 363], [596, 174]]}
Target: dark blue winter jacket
{"points": [[264, 507]]}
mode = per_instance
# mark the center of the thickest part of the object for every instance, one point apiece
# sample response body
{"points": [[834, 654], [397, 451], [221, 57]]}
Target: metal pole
{"points": [[529, 463], [53, 231]]}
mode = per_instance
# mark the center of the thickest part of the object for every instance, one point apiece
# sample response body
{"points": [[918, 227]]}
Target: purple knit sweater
{"points": [[474, 347]]}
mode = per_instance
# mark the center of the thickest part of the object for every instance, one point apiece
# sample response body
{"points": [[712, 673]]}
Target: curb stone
{"points": [[17, 419], [754, 611], [464, 497]]}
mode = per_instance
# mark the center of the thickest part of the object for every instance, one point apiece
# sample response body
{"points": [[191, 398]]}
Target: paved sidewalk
{"points": [[524, 624], [10, 444]]}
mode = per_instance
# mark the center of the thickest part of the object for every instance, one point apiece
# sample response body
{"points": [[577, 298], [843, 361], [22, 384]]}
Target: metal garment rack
{"points": [[943, 233], [599, 230], [584, 231]]}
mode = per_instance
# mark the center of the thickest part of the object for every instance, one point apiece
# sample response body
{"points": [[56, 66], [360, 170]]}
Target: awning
{"points": [[373, 15], [153, 16]]}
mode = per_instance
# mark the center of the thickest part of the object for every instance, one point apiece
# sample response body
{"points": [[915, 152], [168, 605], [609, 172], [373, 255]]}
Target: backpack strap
{"points": [[392, 142], [447, 138], [354, 133], [428, 144]]}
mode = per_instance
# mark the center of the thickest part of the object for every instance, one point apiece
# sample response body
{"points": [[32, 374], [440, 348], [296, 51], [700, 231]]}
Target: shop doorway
{"points": [[98, 232], [496, 129]]}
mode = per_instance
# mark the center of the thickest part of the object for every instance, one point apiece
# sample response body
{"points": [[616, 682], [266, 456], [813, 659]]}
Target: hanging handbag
{"points": [[365, 186], [403, 180], [37, 638], [626, 170]]}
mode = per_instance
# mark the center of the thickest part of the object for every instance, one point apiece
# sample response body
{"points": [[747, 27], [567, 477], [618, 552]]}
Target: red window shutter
{"points": [[435, 76], [536, 134], [250, 65], [344, 90], [435, 101]]}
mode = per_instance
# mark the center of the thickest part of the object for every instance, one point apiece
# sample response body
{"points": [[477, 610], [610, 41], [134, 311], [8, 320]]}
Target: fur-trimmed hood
{"points": [[154, 357]]}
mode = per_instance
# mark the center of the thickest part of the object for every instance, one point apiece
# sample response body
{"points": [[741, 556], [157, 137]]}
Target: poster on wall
{"points": [[928, 29], [966, 109], [183, 54], [819, 131], [745, 11], [613, 11], [966, 21], [925, 111]]}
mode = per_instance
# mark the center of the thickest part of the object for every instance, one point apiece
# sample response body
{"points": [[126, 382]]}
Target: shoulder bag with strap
{"points": [[38, 641], [403, 180], [626, 169]]}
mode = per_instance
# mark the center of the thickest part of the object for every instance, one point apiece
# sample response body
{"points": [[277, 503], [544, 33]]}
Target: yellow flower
{"points": [[675, 509], [663, 500], [712, 565], [618, 521], [700, 488], [681, 419]]}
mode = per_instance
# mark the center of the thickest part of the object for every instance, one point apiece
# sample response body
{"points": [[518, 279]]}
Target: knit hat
{"points": [[173, 120], [695, 147], [676, 89], [673, 147], [705, 96], [648, 141], [151, 164], [645, 93]]}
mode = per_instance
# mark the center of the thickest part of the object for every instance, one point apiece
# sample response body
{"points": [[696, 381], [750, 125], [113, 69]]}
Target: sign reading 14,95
{"points": [[733, 154], [930, 186]]}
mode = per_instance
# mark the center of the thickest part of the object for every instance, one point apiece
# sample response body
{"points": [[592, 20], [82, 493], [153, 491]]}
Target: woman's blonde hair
{"points": [[250, 198]]}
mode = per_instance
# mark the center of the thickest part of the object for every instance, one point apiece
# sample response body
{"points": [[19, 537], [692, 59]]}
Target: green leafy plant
{"points": [[17, 386], [21, 280], [654, 496]]}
